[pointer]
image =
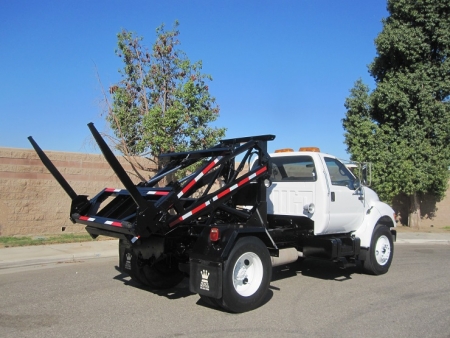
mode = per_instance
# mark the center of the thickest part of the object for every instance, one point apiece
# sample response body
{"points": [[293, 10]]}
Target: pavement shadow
{"points": [[211, 303], [316, 268], [179, 291]]}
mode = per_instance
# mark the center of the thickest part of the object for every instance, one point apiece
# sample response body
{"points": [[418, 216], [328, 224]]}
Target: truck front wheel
{"points": [[247, 275], [381, 251]]}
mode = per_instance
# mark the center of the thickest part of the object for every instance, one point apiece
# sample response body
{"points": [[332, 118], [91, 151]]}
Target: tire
{"points": [[164, 274], [246, 276], [129, 262], [161, 275], [211, 302], [381, 251]]}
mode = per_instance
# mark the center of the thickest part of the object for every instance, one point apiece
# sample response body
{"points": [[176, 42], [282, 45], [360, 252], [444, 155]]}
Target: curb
{"points": [[423, 238], [19, 257], [422, 241], [22, 257]]}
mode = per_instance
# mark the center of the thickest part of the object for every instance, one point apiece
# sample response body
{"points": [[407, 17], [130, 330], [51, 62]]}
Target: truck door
{"points": [[295, 185], [346, 202]]}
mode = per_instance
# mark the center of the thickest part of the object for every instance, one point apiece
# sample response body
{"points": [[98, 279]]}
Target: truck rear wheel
{"points": [[164, 274], [381, 251], [129, 262], [247, 275]]}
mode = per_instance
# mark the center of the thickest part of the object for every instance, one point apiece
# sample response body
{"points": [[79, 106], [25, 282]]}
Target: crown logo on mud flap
{"points": [[128, 261], [204, 284]]}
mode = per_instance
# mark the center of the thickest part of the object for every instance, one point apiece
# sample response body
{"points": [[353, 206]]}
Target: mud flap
{"points": [[125, 255], [206, 278], [126, 261]]}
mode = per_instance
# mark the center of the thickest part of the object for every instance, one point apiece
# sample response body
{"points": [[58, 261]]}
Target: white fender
{"points": [[376, 210]]}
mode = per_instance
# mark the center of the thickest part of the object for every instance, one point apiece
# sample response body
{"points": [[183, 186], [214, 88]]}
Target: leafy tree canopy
{"points": [[162, 104], [403, 126]]}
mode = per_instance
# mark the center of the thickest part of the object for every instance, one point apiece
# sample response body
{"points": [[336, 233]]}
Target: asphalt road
{"points": [[312, 299]]}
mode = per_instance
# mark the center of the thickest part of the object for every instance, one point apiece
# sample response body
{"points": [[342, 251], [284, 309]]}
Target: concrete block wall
{"points": [[434, 214], [33, 203]]}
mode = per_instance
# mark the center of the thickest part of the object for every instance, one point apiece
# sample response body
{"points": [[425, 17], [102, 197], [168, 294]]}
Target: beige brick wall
{"points": [[440, 217], [433, 213], [33, 203]]}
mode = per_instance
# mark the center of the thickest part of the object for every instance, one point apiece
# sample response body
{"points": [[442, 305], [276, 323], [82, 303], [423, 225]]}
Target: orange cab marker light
{"points": [[214, 235], [314, 149], [284, 150]]}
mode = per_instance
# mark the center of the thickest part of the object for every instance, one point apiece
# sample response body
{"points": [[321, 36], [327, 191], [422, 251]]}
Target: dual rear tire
{"points": [[163, 274]]}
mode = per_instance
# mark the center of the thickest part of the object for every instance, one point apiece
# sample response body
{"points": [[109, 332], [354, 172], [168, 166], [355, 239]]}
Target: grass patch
{"points": [[446, 228], [12, 241]]}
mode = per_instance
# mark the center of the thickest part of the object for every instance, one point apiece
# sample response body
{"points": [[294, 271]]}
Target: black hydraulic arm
{"points": [[56, 174], [118, 169]]}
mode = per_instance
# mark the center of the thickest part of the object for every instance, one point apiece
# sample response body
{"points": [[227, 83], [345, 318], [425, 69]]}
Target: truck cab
{"points": [[322, 189]]}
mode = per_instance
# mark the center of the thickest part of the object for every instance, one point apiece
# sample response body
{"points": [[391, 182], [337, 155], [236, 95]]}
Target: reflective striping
{"points": [[153, 192], [199, 176], [112, 190], [85, 218], [186, 188], [92, 219], [158, 193], [186, 215], [211, 165], [259, 172], [223, 193], [200, 207], [218, 196], [113, 223]]}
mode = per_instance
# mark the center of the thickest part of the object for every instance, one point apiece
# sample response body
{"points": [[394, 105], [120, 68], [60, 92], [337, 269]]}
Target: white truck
{"points": [[226, 238], [324, 192]]}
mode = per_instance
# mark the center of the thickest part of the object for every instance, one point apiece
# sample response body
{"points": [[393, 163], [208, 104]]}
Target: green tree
{"points": [[403, 126], [162, 104]]}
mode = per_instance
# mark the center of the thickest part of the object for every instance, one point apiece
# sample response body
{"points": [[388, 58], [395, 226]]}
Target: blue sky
{"points": [[282, 67]]}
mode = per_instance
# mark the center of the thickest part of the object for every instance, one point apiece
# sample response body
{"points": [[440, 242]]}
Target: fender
{"points": [[207, 259], [219, 251], [377, 212]]}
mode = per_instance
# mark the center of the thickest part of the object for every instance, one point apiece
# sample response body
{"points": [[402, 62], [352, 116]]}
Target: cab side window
{"points": [[339, 173], [293, 169]]}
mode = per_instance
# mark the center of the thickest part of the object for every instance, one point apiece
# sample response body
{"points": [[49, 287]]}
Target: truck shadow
{"points": [[212, 305], [316, 268], [179, 291]]}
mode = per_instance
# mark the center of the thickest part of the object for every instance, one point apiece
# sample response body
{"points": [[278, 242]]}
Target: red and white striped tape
{"points": [[218, 196]]}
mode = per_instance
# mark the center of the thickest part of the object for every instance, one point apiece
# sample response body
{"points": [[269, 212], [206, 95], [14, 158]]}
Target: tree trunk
{"points": [[414, 212]]}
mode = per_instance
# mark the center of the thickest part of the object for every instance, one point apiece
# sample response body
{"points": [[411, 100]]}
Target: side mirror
{"points": [[357, 185], [366, 173]]}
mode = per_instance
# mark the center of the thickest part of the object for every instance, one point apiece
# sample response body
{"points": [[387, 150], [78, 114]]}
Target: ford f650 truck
{"points": [[226, 224]]}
